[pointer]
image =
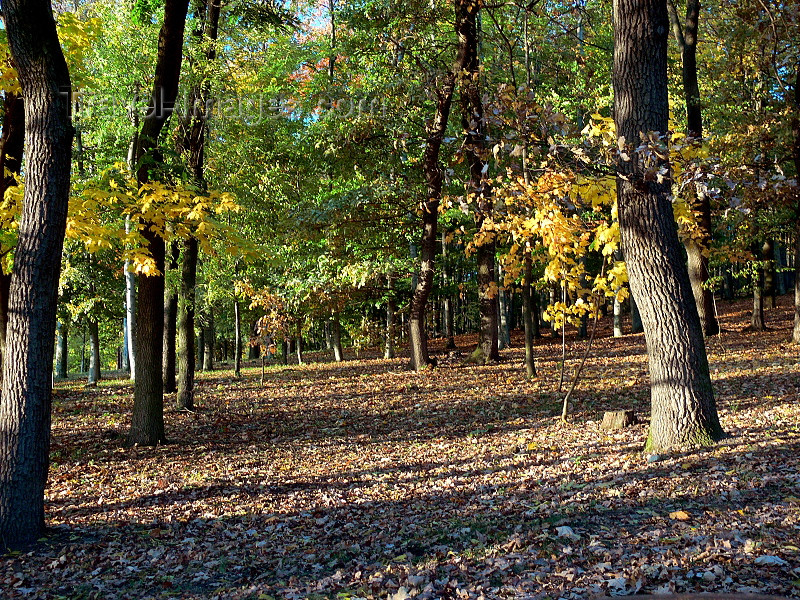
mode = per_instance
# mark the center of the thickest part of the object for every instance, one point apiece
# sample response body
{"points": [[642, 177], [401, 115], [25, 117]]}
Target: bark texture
{"points": [[170, 329], [27, 369], [683, 406], [147, 422], [186, 304], [796, 156]]}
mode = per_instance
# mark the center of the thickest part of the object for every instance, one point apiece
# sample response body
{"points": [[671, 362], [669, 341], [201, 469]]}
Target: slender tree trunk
{"points": [[130, 310], [770, 279], [504, 331], [170, 328], [796, 156], [62, 351], [698, 246], [185, 325], [617, 318], [94, 352], [285, 352], [418, 340], [636, 318], [683, 406], [528, 311], [298, 349], [391, 309], [209, 337], [25, 403], [237, 346], [757, 316], [147, 422], [125, 362], [336, 339]]}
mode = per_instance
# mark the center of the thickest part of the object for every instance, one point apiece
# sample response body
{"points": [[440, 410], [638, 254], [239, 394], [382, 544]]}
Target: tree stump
{"points": [[618, 419]]}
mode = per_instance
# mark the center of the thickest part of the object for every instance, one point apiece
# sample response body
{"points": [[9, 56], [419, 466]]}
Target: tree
{"points": [[147, 423], [682, 398], [27, 371], [698, 246]]}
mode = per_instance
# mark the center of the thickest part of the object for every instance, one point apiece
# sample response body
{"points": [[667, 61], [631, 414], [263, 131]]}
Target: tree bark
{"points": [[770, 279], [25, 403], [209, 337], [529, 311], [147, 422], [435, 130], [237, 345], [682, 398], [757, 316], [796, 156], [298, 349], [697, 248], [336, 339], [130, 311], [185, 325], [94, 352], [391, 309], [62, 351], [170, 329]]}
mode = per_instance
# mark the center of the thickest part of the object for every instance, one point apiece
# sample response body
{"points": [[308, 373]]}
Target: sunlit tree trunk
{"points": [[530, 315], [209, 339], [185, 325], [237, 345], [94, 352], [336, 339], [683, 406]]}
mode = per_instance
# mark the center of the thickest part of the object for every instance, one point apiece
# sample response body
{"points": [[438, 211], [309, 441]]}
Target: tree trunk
{"points": [[698, 246], [617, 318], [336, 339], [125, 361], [391, 309], [488, 302], [130, 310], [209, 337], [237, 345], [796, 156], [170, 328], [185, 325], [770, 279], [682, 398], [504, 330], [447, 301], [757, 316], [94, 352], [636, 318], [147, 422], [62, 351], [28, 361], [529, 310], [298, 349], [285, 352]]}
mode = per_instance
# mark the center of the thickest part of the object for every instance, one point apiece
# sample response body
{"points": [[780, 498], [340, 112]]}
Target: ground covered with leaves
{"points": [[364, 480]]}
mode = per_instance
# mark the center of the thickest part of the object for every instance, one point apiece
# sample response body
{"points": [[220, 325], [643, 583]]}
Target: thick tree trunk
{"points": [[28, 361], [94, 352], [488, 302], [636, 318], [683, 406], [147, 422], [62, 351], [336, 339], [529, 314], [185, 325], [237, 346]]}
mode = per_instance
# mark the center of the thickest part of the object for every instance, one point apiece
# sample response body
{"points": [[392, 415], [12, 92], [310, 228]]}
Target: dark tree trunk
{"points": [[478, 189], [503, 301], [698, 246], [62, 351], [683, 406], [147, 422], [237, 345], [209, 337], [796, 156], [636, 318], [28, 361], [94, 352], [170, 329], [391, 309], [770, 280], [418, 340], [336, 339], [530, 313], [285, 352], [185, 325]]}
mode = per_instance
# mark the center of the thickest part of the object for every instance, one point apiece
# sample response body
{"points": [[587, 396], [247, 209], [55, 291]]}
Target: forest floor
{"points": [[364, 480]]}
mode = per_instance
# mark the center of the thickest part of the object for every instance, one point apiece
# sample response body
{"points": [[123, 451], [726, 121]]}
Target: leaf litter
{"points": [[364, 480]]}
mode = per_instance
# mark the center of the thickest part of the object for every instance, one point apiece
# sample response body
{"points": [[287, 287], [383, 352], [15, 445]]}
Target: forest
{"points": [[362, 299]]}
